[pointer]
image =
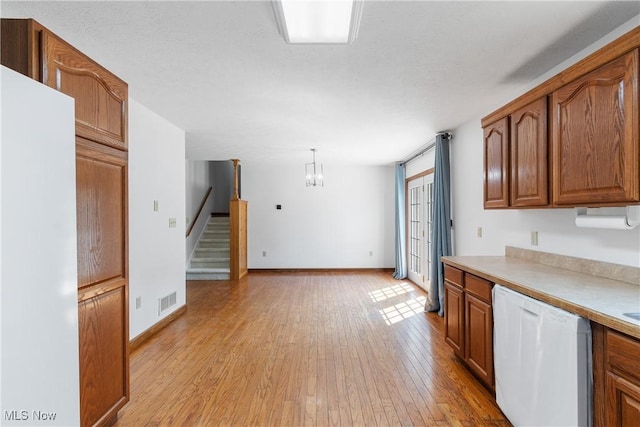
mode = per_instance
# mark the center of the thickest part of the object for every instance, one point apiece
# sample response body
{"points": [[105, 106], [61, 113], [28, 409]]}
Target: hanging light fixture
{"points": [[313, 172]]}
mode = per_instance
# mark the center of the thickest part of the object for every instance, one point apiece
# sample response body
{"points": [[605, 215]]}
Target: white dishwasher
{"points": [[542, 357]]}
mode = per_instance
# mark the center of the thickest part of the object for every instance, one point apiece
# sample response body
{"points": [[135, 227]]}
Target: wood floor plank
{"points": [[294, 349]]}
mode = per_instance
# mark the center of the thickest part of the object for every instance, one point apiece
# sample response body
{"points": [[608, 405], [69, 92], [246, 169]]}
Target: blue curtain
{"points": [[401, 257], [441, 238]]}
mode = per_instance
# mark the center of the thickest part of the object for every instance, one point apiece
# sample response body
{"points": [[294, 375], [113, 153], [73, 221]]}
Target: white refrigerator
{"points": [[39, 364]]}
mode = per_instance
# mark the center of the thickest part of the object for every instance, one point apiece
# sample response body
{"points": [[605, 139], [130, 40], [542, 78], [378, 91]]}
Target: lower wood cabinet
{"points": [[479, 338], [454, 311], [623, 401], [616, 378], [469, 321]]}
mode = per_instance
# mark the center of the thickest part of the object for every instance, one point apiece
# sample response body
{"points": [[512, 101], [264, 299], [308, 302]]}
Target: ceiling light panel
{"points": [[317, 21]]}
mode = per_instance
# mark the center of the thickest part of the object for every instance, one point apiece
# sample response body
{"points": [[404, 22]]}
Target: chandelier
{"points": [[313, 172]]}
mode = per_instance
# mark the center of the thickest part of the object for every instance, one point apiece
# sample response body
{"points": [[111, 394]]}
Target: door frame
{"points": [[422, 174]]}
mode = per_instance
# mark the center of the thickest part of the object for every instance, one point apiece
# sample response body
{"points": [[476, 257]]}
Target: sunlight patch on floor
{"points": [[404, 310], [390, 292]]}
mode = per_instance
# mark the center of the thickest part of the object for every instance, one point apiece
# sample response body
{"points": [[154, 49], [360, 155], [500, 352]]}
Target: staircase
{"points": [[210, 260]]}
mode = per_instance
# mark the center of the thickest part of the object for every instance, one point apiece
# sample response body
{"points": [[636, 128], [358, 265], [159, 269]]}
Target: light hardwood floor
{"points": [[319, 349]]}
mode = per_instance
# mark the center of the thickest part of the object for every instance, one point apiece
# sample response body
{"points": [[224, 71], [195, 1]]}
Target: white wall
{"points": [[420, 164], [223, 183], [556, 230], [198, 181], [335, 226], [39, 368], [156, 251]]}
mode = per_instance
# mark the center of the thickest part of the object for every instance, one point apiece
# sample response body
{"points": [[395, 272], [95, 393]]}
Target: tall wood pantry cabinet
{"points": [[101, 102]]}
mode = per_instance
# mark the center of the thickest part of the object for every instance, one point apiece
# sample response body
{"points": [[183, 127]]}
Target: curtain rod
{"points": [[430, 145]]}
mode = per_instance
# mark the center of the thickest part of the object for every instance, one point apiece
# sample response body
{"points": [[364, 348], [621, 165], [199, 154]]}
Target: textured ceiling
{"points": [[220, 70]]}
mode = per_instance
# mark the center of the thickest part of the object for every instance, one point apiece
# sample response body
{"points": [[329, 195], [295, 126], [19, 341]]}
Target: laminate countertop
{"points": [[598, 299]]}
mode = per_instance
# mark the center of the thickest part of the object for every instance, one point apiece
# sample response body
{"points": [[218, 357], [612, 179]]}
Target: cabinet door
{"points": [[623, 401], [496, 164], [529, 160], [103, 304], [595, 136], [454, 317], [104, 354], [101, 97], [479, 338]]}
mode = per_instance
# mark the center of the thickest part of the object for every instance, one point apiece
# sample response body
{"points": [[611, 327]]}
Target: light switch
{"points": [[172, 223], [156, 207]]}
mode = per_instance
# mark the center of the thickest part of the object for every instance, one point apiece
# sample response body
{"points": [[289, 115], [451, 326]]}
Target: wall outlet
{"points": [[156, 206], [138, 302], [534, 238], [264, 253], [479, 232]]}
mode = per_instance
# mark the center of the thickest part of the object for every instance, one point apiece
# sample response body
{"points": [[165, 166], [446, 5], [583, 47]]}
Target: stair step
{"points": [[213, 251], [195, 264], [214, 245], [208, 274], [211, 257], [214, 257]]}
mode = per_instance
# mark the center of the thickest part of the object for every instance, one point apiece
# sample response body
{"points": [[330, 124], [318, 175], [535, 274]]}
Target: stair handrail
{"points": [[195, 219]]}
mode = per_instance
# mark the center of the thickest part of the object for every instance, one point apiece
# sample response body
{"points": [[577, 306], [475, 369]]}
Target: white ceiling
{"points": [[220, 70]]}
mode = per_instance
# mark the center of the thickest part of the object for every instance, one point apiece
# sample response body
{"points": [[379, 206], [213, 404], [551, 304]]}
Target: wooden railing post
{"points": [[238, 224], [236, 195]]}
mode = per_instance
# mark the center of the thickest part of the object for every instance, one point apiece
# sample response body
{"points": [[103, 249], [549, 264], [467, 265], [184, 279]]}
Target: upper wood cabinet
{"points": [[529, 159], [515, 158], [573, 140], [496, 164], [595, 136], [100, 97]]}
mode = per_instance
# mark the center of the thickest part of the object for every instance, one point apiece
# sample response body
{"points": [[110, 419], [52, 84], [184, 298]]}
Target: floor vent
{"points": [[165, 302]]}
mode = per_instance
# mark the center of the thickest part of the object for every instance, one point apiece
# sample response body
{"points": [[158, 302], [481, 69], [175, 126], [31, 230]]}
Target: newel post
{"points": [[238, 225], [235, 196]]}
